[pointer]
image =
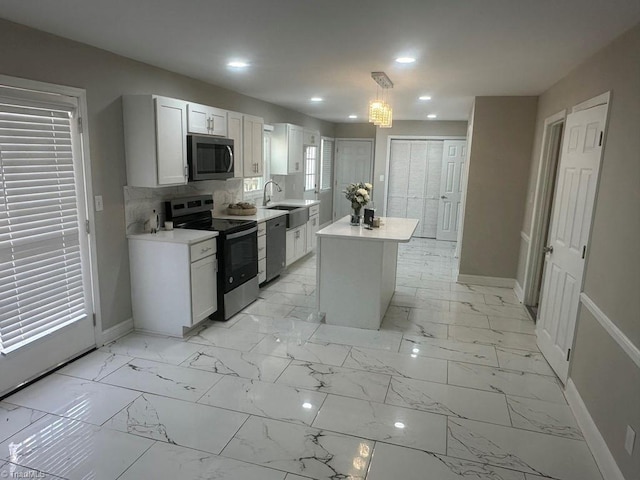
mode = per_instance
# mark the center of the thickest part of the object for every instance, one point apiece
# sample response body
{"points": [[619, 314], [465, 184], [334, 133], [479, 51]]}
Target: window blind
{"points": [[310, 155], [41, 282], [327, 164]]}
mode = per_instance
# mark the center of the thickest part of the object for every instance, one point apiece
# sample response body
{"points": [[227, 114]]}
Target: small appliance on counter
{"points": [[237, 251]]}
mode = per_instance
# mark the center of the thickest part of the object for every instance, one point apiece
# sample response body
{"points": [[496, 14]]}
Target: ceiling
{"points": [[303, 48]]}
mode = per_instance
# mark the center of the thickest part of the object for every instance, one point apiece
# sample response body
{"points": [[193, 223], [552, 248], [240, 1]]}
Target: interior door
{"points": [[570, 226], [453, 158], [353, 164]]}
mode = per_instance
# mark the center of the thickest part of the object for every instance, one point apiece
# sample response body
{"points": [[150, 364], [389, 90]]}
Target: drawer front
{"points": [[262, 270], [262, 228], [314, 210], [202, 249], [262, 247]]}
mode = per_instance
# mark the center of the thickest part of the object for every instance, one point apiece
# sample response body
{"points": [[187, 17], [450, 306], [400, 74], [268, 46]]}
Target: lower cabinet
{"points": [[313, 225], [296, 243], [173, 285]]}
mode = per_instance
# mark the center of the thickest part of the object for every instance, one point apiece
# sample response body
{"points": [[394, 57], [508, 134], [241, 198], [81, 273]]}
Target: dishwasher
{"points": [[276, 246]]}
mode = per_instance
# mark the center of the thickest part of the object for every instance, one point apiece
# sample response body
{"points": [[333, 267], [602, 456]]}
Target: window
{"points": [[326, 170], [42, 268], [310, 163]]}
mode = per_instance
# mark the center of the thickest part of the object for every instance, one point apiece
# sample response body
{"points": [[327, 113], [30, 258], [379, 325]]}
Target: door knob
{"points": [[548, 249], [443, 196]]}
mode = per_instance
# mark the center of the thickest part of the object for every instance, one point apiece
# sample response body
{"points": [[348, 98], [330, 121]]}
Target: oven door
{"points": [[240, 258]]}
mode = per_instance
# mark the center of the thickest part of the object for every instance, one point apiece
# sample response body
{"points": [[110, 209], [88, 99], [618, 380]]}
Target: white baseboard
{"points": [[517, 289], [621, 339], [601, 453], [488, 281], [117, 331]]}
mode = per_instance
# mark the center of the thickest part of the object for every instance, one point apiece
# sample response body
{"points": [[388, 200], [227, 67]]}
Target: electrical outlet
{"points": [[629, 440], [99, 204]]}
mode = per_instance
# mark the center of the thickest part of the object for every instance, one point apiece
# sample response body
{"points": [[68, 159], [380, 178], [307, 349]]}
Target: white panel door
{"points": [[569, 234], [432, 192], [416, 184], [453, 157], [398, 181], [353, 164]]}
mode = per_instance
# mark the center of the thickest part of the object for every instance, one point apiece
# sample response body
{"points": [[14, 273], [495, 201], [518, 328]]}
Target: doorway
{"points": [[543, 205], [354, 158]]}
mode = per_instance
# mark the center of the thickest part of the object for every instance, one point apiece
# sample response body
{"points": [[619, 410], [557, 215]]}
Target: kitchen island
{"points": [[356, 273]]}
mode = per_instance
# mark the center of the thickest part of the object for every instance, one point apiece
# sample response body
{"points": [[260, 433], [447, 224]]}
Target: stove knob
{"points": [[230, 279]]}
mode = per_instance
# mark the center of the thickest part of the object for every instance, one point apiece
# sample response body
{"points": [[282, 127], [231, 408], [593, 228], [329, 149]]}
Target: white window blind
{"points": [[326, 170], [41, 282]]}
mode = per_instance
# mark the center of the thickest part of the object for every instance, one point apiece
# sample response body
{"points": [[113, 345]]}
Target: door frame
{"points": [[541, 209], [335, 167], [388, 157], [81, 95]]}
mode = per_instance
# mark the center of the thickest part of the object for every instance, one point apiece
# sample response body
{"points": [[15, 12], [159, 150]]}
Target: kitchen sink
{"points": [[296, 216]]}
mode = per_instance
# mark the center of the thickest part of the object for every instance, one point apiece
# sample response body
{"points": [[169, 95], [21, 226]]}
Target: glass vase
{"points": [[355, 217]]}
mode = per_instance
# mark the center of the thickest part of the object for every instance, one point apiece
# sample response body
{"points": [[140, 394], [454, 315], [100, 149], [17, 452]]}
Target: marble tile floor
{"points": [[452, 387]]}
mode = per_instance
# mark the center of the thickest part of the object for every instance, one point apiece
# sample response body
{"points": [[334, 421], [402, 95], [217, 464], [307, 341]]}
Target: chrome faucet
{"points": [[266, 199]]}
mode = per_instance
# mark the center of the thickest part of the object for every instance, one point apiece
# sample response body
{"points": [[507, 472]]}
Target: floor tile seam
{"points": [[545, 433], [486, 344], [511, 370], [222, 454], [133, 357], [139, 457], [2, 440]]}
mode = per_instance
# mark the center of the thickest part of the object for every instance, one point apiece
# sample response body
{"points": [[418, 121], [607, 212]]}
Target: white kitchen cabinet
{"points": [[206, 120], [173, 283], [313, 226], [312, 138], [296, 243], [155, 140], [253, 149], [235, 132], [286, 149]]}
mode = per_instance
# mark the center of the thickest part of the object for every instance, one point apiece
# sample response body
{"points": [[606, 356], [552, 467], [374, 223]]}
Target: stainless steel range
{"points": [[237, 251]]}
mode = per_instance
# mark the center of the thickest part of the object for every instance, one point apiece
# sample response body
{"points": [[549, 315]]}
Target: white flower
{"points": [[366, 197], [368, 186], [362, 192]]}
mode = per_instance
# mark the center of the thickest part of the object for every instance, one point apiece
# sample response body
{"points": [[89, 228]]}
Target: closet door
{"points": [[398, 179], [414, 183]]}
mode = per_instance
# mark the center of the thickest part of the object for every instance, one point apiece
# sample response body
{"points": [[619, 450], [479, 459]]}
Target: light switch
{"points": [[99, 204], [382, 178]]}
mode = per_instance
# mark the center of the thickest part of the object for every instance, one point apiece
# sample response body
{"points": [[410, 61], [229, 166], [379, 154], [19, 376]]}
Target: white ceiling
{"points": [[304, 48]]}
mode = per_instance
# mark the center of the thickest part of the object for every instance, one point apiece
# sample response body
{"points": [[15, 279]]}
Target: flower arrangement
{"points": [[359, 195]]}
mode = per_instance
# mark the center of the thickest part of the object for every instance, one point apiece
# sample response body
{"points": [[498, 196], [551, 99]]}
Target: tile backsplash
{"points": [[139, 202]]}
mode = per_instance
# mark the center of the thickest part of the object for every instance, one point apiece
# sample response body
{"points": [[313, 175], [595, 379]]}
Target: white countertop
{"points": [[179, 235], [294, 202], [262, 215], [391, 229]]}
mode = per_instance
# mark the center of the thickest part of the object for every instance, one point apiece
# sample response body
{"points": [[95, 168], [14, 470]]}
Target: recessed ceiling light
{"points": [[399, 425], [432, 115], [405, 59], [353, 116], [307, 405], [424, 97], [238, 64], [316, 99]]}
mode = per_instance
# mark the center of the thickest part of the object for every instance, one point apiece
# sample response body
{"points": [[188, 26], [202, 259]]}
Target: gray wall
{"points": [[418, 128], [607, 382], [355, 130], [499, 163], [106, 77]]}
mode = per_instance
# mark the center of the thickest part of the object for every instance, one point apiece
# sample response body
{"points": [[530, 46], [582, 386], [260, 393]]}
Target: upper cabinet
{"points": [[234, 132], [286, 149], [155, 140], [253, 150], [311, 137], [206, 120]]}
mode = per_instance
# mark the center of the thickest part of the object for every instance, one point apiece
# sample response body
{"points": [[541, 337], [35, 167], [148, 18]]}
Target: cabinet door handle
{"points": [[205, 250], [186, 171]]}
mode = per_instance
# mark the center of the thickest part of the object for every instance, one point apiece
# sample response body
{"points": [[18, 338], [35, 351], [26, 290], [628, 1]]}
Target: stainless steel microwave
{"points": [[210, 158]]}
